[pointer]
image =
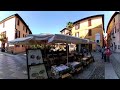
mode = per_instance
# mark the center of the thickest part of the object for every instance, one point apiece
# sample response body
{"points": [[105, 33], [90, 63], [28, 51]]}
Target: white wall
{"points": [[9, 28]]}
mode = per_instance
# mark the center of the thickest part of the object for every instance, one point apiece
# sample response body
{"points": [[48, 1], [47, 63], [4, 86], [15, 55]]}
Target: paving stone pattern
{"points": [[99, 72], [115, 60], [12, 67]]}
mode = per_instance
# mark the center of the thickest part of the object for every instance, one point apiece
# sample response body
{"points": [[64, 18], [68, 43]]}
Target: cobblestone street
{"points": [[95, 70], [99, 72], [14, 67]]}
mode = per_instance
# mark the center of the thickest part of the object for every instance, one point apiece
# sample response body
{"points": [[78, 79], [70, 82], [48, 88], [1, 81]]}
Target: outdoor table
{"points": [[85, 61], [79, 57], [61, 71], [75, 66], [91, 58]]}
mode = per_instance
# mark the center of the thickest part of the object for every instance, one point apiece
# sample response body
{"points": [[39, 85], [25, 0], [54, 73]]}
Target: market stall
{"points": [[75, 66], [52, 39], [61, 71]]}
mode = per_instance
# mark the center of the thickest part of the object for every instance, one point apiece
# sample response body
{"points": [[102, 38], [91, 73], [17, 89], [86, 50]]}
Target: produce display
{"points": [[61, 71], [75, 66], [91, 58]]}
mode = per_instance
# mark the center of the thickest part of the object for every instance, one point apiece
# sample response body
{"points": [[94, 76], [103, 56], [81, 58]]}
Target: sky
{"points": [[53, 21]]}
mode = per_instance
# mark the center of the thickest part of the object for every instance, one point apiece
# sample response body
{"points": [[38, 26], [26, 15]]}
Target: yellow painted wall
{"points": [[96, 26]]}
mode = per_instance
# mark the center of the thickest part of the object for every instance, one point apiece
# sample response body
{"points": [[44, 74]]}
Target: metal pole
{"points": [[67, 52]]}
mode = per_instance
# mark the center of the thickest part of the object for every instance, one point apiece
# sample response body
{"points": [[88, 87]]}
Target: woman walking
{"points": [[108, 53]]}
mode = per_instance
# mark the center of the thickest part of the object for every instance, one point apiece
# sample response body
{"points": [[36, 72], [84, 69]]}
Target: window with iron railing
{"points": [[90, 32], [3, 24], [26, 30], [23, 27], [115, 29], [18, 22], [114, 19], [77, 34], [89, 22], [77, 26], [17, 34]]}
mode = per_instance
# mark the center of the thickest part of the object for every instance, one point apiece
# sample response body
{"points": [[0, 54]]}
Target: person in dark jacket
{"points": [[104, 54], [102, 51]]}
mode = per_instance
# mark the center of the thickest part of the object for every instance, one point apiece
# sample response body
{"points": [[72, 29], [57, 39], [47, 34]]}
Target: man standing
{"points": [[102, 52]]}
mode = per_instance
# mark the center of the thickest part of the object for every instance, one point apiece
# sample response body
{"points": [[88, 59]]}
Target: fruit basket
{"points": [[61, 71], [75, 66]]}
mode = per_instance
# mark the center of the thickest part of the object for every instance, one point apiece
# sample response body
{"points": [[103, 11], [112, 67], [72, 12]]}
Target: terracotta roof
{"points": [[111, 20], [19, 18]]}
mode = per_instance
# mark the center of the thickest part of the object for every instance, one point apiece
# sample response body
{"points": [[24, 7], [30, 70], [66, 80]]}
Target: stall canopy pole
{"points": [[67, 52]]}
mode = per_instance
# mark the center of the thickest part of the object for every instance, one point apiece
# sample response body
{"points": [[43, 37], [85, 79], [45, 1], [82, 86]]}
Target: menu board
{"points": [[38, 72], [35, 66], [34, 57]]}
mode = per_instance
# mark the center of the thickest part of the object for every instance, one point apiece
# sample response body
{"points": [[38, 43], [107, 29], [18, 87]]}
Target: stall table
{"points": [[85, 61], [75, 66], [61, 71]]}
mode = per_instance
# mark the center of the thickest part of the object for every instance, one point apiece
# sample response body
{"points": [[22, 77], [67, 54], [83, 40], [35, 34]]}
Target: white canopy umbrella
{"points": [[21, 40], [31, 39], [60, 38], [49, 38]]}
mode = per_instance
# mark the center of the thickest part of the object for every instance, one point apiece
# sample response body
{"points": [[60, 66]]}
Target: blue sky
{"points": [[53, 21]]}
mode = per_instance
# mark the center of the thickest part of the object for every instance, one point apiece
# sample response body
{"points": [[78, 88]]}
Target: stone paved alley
{"points": [[14, 67]]}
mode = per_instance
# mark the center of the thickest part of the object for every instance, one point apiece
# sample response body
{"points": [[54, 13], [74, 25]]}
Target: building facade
{"points": [[113, 32], [65, 31], [14, 27], [91, 28]]}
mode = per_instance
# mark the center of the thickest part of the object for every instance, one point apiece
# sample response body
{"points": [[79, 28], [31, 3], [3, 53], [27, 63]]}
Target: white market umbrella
{"points": [[58, 38], [21, 40], [32, 39], [49, 38]]}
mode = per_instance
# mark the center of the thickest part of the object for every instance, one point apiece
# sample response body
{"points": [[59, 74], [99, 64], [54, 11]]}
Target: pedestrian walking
{"points": [[108, 53], [102, 51], [104, 54]]}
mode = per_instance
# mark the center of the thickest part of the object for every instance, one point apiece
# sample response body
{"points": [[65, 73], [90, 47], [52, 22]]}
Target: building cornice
{"points": [[16, 15], [111, 20], [90, 17]]}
